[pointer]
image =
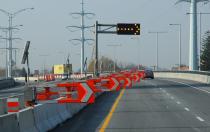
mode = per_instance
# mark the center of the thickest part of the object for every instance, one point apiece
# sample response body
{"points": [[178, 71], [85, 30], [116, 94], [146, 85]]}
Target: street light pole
{"points": [[180, 43], [10, 28], [157, 47]]}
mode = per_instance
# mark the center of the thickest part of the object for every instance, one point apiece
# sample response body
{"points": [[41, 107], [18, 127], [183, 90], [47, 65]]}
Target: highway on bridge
{"points": [[159, 105]]}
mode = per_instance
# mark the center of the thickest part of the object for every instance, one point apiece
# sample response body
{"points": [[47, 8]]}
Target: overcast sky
{"points": [[45, 28]]}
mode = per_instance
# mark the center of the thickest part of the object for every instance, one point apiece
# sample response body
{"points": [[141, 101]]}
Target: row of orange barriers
{"points": [[82, 91]]}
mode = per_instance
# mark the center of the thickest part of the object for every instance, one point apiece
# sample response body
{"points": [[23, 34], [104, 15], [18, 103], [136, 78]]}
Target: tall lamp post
{"points": [[157, 47], [11, 16], [200, 34], [193, 63], [180, 42]]}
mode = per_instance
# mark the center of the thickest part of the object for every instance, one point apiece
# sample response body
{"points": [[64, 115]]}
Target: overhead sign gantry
{"points": [[119, 29]]}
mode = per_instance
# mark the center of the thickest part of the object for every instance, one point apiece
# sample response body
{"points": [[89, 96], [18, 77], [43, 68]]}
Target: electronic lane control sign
{"points": [[128, 29]]}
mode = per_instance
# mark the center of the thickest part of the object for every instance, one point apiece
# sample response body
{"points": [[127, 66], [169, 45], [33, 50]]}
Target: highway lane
{"points": [[159, 105]]}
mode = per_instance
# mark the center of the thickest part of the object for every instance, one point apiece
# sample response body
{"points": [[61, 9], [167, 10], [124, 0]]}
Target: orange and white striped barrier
{"points": [[13, 105], [85, 93]]}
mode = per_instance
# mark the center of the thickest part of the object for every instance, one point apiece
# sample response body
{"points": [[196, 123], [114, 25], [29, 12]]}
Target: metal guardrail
{"points": [[3, 79], [7, 83]]}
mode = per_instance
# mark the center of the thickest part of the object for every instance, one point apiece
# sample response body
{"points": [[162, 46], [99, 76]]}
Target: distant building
{"points": [[62, 69], [36, 72], [182, 68]]}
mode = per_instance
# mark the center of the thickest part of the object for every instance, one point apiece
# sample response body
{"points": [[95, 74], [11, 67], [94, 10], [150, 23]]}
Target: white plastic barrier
{"points": [[3, 106], [41, 119], [26, 120], [9, 123]]}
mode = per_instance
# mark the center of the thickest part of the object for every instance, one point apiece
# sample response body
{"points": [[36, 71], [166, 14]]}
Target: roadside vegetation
{"points": [[205, 52]]}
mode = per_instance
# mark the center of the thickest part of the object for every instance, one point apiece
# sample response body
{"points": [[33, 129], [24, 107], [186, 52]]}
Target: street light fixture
{"points": [[10, 28], [180, 42], [157, 48]]}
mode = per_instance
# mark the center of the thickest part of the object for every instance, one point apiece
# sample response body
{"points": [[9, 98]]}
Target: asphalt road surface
{"points": [[159, 105]]}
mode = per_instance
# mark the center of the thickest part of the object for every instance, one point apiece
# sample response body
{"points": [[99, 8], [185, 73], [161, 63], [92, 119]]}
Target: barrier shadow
{"points": [[91, 117]]}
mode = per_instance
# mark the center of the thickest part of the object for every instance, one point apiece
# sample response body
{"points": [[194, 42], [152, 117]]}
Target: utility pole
{"points": [[157, 47], [7, 38], [10, 39], [6, 54], [82, 14], [193, 52], [6, 57]]}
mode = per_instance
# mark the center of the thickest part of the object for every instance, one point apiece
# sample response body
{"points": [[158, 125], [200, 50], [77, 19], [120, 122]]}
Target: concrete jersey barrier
{"points": [[41, 118], [199, 77], [9, 123], [26, 120]]}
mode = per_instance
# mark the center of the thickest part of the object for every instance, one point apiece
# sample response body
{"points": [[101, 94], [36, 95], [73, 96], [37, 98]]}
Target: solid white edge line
{"points": [[190, 86], [178, 102], [187, 109], [200, 119]]}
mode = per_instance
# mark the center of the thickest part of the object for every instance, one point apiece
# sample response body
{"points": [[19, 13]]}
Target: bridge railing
{"points": [[199, 76]]}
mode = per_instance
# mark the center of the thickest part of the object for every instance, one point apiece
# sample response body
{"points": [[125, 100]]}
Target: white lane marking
{"points": [[160, 88], [172, 97], [178, 102], [168, 94], [200, 119], [191, 86], [187, 109]]}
